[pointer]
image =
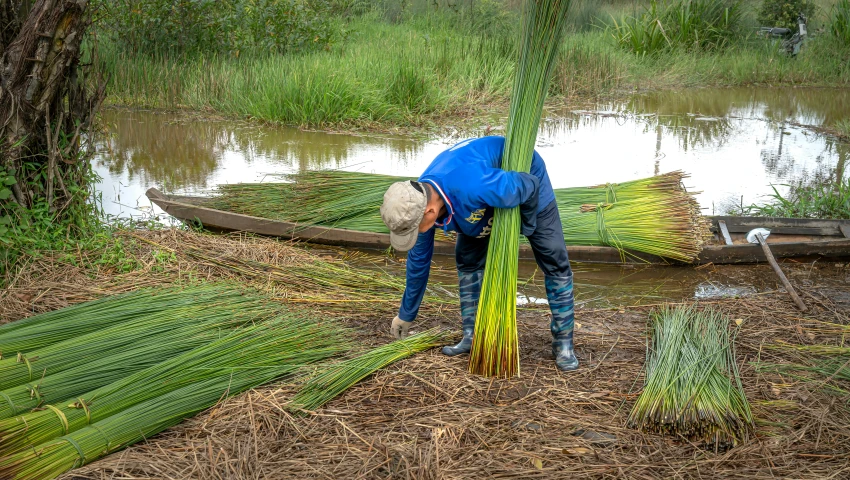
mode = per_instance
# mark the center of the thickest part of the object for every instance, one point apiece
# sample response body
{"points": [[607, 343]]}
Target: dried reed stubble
{"points": [[426, 418]]}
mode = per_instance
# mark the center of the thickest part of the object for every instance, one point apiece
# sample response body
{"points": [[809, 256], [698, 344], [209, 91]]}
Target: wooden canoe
{"points": [[790, 237]]}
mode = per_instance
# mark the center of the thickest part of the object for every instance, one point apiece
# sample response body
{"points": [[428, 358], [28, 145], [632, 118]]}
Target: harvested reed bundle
{"points": [[332, 198], [48, 328], [330, 382], [353, 200], [693, 387], [279, 347], [145, 353], [495, 345], [662, 225], [193, 306]]}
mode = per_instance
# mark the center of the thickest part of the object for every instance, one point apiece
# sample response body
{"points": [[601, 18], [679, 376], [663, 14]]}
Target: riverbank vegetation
{"points": [[815, 199], [394, 64]]}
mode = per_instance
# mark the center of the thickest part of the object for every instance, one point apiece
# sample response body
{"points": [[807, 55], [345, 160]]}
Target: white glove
{"points": [[399, 328]]}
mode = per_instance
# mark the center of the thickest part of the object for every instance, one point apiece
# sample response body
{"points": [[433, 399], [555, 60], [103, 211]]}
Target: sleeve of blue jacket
{"points": [[504, 189], [418, 270]]}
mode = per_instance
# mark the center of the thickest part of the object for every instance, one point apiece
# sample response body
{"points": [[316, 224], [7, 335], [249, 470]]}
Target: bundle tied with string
{"points": [[654, 215], [352, 200]]}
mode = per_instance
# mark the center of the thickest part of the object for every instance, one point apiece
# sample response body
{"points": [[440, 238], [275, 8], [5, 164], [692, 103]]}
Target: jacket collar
{"points": [[449, 206]]}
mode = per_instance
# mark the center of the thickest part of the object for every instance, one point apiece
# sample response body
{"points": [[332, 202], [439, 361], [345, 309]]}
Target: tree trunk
{"points": [[44, 105]]}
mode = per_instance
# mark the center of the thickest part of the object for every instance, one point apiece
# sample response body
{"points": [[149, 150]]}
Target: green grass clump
{"points": [[693, 388], [329, 382], [415, 72], [819, 199], [840, 21]]}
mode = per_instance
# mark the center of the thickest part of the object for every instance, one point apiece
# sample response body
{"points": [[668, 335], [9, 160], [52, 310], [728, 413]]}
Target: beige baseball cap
{"points": [[402, 212]]}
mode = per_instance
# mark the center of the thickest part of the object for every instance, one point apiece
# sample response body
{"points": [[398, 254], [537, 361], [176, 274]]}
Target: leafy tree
{"points": [[783, 13]]}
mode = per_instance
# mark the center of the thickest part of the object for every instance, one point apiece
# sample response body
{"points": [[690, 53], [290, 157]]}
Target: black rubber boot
{"points": [[469, 287], [559, 291]]}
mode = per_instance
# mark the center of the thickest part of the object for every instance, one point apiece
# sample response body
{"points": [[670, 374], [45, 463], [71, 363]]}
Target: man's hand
{"points": [[528, 209], [399, 328]]}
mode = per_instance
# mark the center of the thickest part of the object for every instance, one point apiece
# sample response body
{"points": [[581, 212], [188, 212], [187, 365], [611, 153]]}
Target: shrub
{"points": [[783, 13], [689, 24], [220, 26]]}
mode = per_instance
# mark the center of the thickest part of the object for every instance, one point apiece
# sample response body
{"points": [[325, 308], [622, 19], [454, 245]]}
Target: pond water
{"points": [[735, 144]]}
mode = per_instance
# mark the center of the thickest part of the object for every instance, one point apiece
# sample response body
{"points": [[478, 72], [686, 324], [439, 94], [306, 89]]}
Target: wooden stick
{"points": [[785, 282]]}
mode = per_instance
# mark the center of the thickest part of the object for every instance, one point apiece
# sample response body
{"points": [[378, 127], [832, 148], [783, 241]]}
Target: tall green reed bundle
{"points": [[48, 328], [257, 353], [693, 388], [495, 345], [193, 306], [332, 381]]}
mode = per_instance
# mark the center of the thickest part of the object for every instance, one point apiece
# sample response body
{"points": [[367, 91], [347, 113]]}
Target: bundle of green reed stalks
{"points": [[350, 200], [653, 215], [52, 327], [280, 346], [495, 345], [693, 388], [247, 358], [195, 311], [331, 381]]}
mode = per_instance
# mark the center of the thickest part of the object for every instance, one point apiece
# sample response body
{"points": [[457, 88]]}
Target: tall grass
{"points": [[689, 24], [840, 23], [417, 71]]}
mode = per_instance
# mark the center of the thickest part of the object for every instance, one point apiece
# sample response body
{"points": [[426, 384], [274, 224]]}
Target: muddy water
{"points": [[735, 144]]}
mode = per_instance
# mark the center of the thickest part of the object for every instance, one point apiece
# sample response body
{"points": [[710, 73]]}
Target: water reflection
{"points": [[733, 142]]}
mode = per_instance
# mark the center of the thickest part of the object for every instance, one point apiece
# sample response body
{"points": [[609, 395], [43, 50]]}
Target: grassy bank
{"points": [[414, 73]]}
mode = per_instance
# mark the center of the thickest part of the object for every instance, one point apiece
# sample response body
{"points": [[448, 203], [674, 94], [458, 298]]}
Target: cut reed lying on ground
{"points": [[693, 388], [824, 365], [146, 352], [283, 345], [666, 221], [48, 328], [216, 306], [317, 280], [258, 355], [331, 381]]}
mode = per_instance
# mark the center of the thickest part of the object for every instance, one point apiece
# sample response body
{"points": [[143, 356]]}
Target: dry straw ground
{"points": [[427, 418]]}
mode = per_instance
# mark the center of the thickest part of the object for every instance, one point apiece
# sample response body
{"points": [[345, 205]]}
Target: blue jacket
{"points": [[469, 178]]}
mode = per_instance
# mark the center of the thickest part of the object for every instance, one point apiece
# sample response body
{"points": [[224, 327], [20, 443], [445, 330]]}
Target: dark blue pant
{"points": [[547, 243]]}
